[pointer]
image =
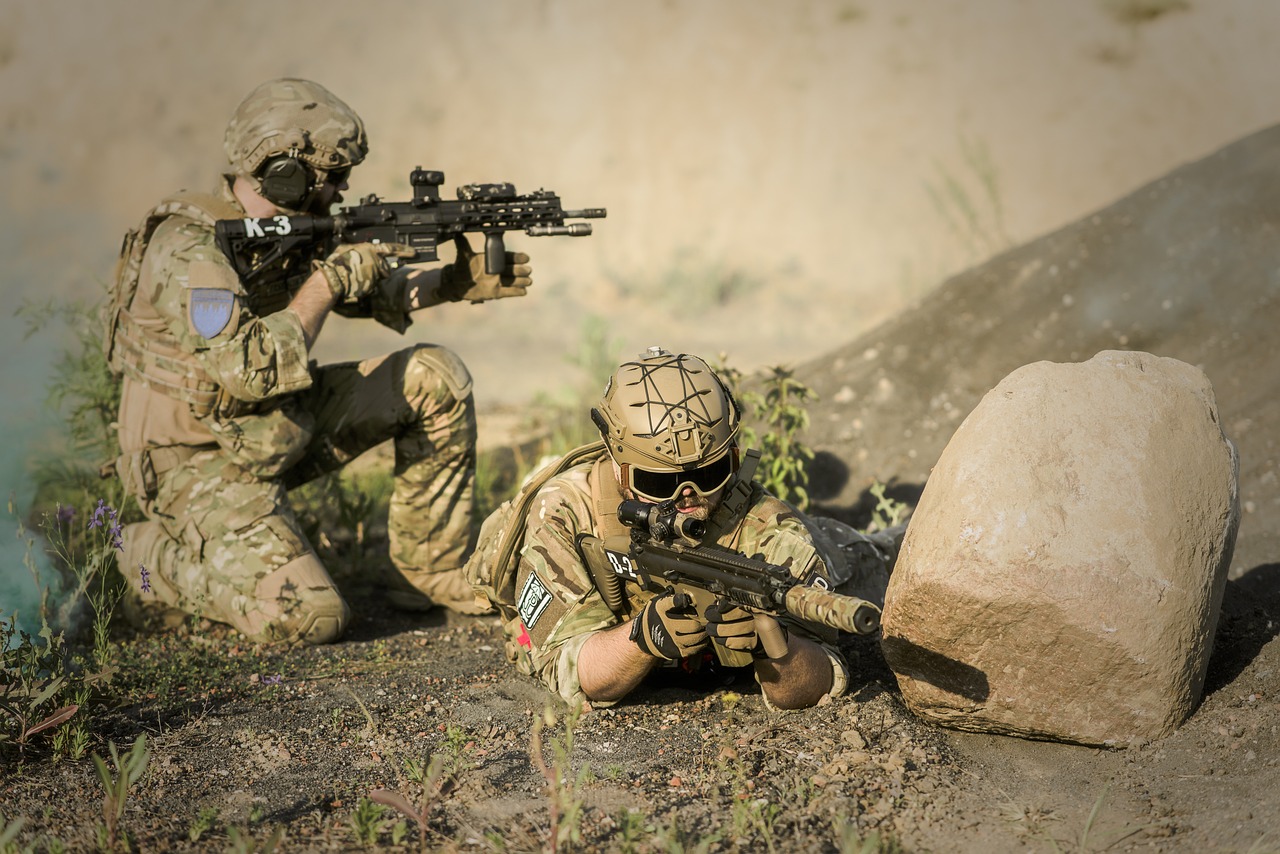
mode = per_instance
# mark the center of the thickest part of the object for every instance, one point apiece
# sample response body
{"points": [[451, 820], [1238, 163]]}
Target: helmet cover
{"points": [[295, 117], [667, 413]]}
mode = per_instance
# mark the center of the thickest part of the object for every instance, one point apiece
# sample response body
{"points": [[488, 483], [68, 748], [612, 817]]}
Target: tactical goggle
{"points": [[659, 486]]}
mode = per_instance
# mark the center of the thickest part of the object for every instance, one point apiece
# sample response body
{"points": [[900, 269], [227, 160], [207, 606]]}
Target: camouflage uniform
{"points": [[556, 606], [219, 419]]}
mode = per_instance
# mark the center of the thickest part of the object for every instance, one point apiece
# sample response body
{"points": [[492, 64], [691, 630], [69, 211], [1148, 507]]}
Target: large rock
{"points": [[1062, 575]]}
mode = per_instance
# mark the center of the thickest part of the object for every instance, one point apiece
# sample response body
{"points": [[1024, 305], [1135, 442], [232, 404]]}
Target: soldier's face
{"points": [[329, 192], [690, 503]]}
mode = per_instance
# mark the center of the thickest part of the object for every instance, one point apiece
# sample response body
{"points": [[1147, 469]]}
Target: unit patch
{"points": [[534, 599], [210, 310]]}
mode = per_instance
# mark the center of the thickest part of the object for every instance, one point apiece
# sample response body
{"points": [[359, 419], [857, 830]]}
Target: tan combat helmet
{"points": [[286, 123], [669, 421]]}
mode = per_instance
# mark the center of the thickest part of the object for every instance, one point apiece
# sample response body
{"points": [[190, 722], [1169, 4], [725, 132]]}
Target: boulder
{"points": [[1062, 575]]}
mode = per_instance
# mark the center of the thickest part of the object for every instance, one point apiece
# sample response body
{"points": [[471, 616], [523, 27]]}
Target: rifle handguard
{"points": [[847, 613]]}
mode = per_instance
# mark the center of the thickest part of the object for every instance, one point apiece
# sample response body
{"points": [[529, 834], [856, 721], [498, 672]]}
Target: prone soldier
{"points": [[222, 410], [577, 615]]}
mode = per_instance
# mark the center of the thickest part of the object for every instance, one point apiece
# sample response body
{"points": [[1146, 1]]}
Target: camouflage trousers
{"points": [[223, 542]]}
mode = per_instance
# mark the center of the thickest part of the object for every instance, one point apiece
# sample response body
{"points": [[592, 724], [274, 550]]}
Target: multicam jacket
{"points": [[210, 359], [558, 605]]}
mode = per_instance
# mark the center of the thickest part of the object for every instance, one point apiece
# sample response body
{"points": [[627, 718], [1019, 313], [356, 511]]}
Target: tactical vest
{"points": [[129, 350]]}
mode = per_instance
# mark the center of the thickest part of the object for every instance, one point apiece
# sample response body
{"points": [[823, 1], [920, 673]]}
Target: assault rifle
{"points": [[423, 223], [663, 553]]}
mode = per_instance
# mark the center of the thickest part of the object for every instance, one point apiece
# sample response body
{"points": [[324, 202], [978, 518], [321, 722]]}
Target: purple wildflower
{"points": [[65, 514], [98, 513], [273, 680], [146, 578], [108, 518]]}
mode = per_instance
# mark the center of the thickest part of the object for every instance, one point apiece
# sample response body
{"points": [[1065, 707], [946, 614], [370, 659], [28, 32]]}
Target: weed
{"points": [[203, 823], [853, 842], [971, 205], [243, 842], [564, 806], [436, 779], [1084, 841], [338, 510], [86, 395], [780, 408], [562, 414], [888, 511], [1133, 13], [115, 790], [692, 283], [366, 821], [9, 831], [631, 825], [673, 840]]}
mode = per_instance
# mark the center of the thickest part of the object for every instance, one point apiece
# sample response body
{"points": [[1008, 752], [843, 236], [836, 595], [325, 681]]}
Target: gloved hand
{"points": [[735, 628], [466, 279], [669, 627], [354, 270]]}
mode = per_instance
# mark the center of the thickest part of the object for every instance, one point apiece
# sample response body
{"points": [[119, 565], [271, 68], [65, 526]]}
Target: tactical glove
{"points": [[669, 627], [466, 279], [739, 630], [354, 270]]}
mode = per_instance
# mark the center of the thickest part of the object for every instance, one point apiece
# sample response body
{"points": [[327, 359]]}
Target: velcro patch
{"points": [[533, 601], [621, 564], [210, 310]]}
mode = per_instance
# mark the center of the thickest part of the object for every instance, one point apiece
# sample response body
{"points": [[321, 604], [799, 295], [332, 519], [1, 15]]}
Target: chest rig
{"points": [[133, 351]]}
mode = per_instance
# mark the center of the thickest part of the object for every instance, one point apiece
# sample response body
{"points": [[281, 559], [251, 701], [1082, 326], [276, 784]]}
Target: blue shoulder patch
{"points": [[210, 310]]}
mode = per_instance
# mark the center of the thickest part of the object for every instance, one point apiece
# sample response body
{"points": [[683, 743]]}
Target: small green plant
{"points": [[243, 842], [436, 778], [780, 409], [9, 831], [564, 805], [888, 511], [853, 842], [672, 839], [562, 414], [32, 684], [115, 790], [971, 204], [203, 823], [86, 395], [1132, 13], [366, 821]]}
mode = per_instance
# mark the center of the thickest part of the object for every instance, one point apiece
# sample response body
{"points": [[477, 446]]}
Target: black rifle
{"points": [[663, 553], [253, 243]]}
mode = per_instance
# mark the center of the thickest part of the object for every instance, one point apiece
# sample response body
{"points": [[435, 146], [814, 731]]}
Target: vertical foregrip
{"points": [[495, 253], [846, 613]]}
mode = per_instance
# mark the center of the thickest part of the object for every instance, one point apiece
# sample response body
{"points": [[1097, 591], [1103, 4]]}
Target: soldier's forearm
{"points": [[610, 665], [312, 303], [799, 679], [423, 289]]}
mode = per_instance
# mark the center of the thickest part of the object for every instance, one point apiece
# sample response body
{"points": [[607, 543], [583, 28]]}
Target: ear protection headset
{"points": [[286, 181]]}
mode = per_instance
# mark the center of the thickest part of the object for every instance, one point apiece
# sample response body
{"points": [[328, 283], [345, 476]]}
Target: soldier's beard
{"points": [[694, 506]]}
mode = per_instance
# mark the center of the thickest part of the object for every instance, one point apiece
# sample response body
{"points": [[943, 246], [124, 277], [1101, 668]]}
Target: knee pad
{"points": [[431, 360], [299, 602]]}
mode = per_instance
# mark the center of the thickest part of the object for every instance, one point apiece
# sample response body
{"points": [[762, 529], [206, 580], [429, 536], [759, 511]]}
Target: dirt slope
{"points": [[1187, 266]]}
